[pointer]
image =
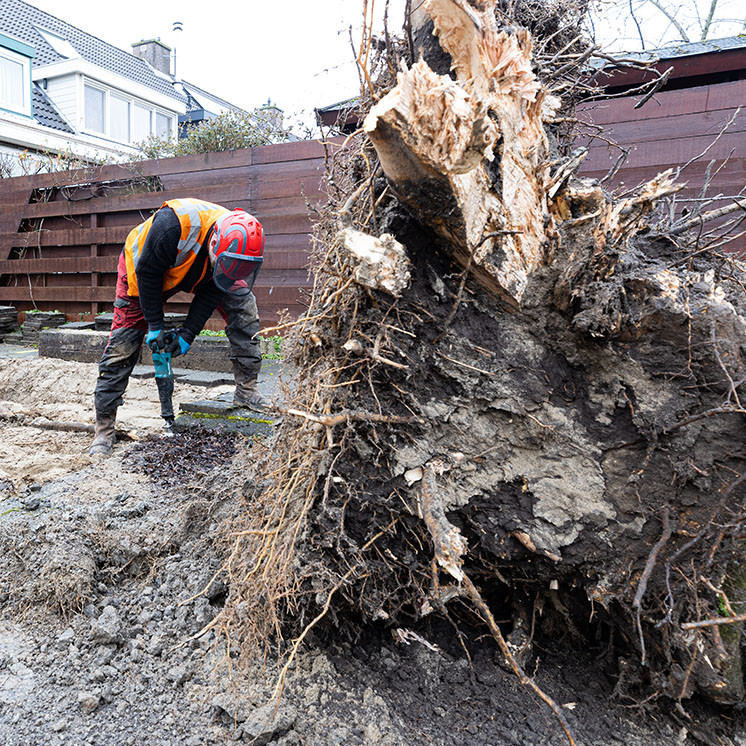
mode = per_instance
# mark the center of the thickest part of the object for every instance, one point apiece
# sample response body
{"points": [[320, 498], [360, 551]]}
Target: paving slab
{"points": [[17, 351], [81, 345], [103, 322], [208, 379], [143, 371], [221, 415]]}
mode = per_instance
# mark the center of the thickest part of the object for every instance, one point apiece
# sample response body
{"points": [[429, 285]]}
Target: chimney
{"points": [[155, 52], [271, 115]]}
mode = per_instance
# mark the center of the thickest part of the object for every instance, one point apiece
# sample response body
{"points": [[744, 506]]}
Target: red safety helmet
{"points": [[237, 250]]}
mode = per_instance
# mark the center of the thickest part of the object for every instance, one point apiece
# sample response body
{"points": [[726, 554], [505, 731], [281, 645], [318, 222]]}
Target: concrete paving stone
{"points": [[242, 421], [103, 321], [143, 371], [78, 326], [205, 378], [174, 320], [219, 406], [82, 346], [17, 351]]}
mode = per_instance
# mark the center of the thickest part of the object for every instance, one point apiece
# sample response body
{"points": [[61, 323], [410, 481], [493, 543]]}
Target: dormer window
{"points": [[13, 82], [15, 75]]}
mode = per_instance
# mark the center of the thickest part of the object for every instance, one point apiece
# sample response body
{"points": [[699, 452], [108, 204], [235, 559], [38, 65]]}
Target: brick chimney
{"points": [[155, 52], [270, 114]]}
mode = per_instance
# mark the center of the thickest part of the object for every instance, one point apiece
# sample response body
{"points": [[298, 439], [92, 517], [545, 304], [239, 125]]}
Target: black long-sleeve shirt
{"points": [[158, 255]]}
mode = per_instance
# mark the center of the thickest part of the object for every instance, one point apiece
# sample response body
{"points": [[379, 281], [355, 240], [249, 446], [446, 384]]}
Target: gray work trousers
{"points": [[122, 351]]}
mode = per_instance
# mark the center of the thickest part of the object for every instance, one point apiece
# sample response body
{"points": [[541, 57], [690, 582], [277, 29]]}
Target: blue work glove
{"points": [[178, 344], [156, 340]]}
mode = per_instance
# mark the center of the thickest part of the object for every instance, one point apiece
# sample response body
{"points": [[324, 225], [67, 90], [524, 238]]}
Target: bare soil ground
{"points": [[102, 567]]}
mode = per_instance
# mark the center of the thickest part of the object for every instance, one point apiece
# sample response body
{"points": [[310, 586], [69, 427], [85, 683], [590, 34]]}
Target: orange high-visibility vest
{"points": [[196, 218]]}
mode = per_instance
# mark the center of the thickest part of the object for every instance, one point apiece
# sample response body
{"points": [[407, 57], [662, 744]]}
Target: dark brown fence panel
{"points": [[669, 131], [61, 234]]}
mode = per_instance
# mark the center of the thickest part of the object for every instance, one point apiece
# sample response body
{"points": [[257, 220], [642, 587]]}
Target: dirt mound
{"points": [[109, 587]]}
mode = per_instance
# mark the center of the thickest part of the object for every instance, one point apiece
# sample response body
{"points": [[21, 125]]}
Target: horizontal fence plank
{"points": [[274, 263], [56, 294], [274, 220], [665, 154], [705, 123], [66, 265], [667, 103], [271, 293], [67, 237], [296, 151], [285, 257], [725, 95], [144, 201], [223, 191]]}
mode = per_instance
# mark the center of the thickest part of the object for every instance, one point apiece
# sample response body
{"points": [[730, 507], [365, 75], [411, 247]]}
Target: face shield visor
{"points": [[236, 273]]}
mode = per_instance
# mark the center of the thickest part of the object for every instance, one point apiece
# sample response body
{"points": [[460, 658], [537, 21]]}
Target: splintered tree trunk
{"points": [[469, 157], [522, 383]]}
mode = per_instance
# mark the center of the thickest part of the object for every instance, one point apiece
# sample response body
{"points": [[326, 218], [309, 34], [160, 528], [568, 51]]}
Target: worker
{"points": [[188, 245]]}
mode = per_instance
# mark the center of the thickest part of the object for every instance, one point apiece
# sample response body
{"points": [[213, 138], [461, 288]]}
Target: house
{"points": [[203, 106], [64, 91]]}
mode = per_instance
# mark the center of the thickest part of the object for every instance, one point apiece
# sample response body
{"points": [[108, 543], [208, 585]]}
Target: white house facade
{"points": [[66, 92]]}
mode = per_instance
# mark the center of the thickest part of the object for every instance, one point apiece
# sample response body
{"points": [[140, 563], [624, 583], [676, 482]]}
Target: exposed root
{"points": [[558, 414]]}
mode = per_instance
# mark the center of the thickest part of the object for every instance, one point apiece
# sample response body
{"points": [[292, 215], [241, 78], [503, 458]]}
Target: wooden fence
{"points": [[61, 233], [668, 131]]}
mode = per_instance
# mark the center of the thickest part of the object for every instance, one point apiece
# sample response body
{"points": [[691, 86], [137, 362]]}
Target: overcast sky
{"points": [[296, 52], [619, 30]]}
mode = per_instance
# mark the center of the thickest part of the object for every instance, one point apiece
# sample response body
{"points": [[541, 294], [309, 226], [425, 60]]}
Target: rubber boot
{"points": [[248, 396], [247, 393], [103, 441]]}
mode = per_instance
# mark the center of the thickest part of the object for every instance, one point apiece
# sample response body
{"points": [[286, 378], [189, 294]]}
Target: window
{"points": [[119, 116], [60, 45], [15, 75], [142, 123], [13, 83], [94, 109], [162, 125]]}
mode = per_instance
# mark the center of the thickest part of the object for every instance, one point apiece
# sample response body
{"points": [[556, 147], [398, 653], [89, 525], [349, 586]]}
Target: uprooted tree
{"points": [[509, 382]]}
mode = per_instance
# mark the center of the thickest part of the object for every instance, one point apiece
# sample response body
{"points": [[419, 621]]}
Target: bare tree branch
{"points": [[708, 20], [671, 17]]}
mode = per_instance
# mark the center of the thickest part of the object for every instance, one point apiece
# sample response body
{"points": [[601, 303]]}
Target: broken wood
{"points": [[439, 142]]}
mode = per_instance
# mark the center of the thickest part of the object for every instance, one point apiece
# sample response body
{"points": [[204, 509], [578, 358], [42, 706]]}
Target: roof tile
{"points": [[19, 19]]}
